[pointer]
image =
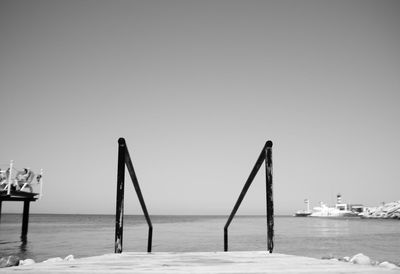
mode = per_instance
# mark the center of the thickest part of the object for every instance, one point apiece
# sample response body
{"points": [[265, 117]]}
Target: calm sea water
{"points": [[88, 235]]}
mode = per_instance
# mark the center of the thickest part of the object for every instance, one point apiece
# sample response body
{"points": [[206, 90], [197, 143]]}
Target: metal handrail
{"points": [[265, 156], [125, 159]]}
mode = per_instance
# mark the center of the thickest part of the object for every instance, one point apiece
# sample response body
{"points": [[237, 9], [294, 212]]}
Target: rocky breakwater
{"points": [[385, 211], [15, 260], [9, 261], [362, 259]]}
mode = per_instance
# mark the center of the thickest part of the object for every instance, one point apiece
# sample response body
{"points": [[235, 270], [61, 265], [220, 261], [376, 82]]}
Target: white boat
{"points": [[306, 212], [339, 210]]}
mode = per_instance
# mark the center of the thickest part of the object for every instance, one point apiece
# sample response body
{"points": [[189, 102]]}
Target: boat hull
{"points": [[302, 214]]}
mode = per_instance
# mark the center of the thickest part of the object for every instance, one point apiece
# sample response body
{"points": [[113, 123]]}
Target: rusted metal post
{"points": [[135, 182], [119, 215], [25, 220], [124, 159], [150, 239], [270, 202], [246, 186], [226, 238]]}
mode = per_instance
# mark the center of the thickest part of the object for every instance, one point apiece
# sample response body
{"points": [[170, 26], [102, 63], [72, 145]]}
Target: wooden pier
{"points": [[251, 262]]}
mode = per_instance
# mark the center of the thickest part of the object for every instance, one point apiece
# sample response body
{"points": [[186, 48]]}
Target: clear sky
{"points": [[196, 88]]}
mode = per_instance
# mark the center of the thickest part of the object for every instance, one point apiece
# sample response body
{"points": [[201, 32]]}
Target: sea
{"points": [[53, 235]]}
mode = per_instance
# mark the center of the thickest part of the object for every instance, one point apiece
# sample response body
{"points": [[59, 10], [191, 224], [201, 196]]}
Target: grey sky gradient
{"points": [[196, 88]]}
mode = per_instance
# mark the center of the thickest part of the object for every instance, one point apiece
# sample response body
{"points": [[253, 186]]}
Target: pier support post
{"points": [[25, 220], [20, 196]]}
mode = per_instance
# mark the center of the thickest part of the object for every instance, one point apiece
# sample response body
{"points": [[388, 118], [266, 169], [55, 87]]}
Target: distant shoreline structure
{"points": [[339, 210], [342, 210], [385, 211]]}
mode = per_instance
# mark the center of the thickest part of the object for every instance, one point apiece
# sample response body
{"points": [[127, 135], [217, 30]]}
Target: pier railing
{"points": [[265, 156], [124, 159]]}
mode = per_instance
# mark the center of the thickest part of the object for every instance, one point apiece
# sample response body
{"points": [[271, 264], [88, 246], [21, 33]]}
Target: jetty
{"points": [[251, 262], [13, 185]]}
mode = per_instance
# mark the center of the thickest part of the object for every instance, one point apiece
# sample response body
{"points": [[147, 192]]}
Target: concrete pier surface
{"points": [[197, 262]]}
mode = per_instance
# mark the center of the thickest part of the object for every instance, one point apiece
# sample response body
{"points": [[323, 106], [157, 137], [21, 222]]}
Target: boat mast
{"points": [[339, 198], [307, 202]]}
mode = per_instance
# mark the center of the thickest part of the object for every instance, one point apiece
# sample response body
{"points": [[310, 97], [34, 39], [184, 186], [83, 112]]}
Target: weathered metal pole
{"points": [[149, 239], [270, 202], [25, 220], [119, 215], [246, 186], [135, 182]]}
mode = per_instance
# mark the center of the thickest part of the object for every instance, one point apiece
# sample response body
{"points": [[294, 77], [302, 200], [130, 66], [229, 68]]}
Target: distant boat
{"points": [[306, 212], [339, 210]]}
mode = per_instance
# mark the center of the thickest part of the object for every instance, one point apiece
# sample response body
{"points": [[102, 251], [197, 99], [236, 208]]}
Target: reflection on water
{"points": [[327, 228], [18, 248], [23, 247]]}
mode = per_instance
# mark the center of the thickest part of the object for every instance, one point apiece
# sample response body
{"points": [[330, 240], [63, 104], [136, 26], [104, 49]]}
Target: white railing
{"points": [[11, 181]]}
